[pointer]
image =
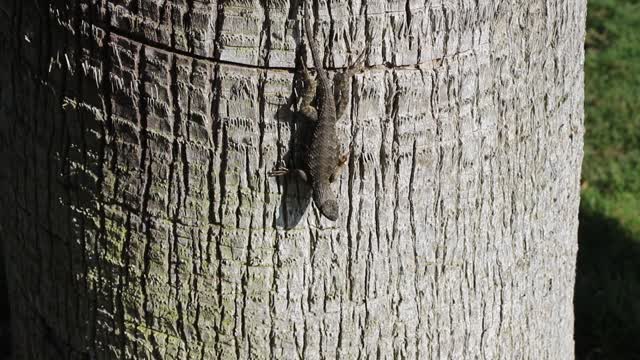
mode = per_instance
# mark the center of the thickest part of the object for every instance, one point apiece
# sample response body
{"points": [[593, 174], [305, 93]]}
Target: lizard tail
{"points": [[313, 44]]}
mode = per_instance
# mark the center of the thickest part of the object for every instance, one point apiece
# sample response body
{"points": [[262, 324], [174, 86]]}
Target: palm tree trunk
{"points": [[138, 220]]}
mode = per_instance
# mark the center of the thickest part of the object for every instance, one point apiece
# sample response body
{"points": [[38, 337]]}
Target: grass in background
{"points": [[611, 169], [607, 302]]}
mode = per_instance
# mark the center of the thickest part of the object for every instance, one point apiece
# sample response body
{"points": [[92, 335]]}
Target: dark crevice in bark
{"points": [[280, 160], [408, 15], [148, 315], [196, 246], [185, 175], [174, 185], [143, 113], [414, 237], [178, 149], [210, 236], [262, 103], [245, 284], [397, 159], [180, 323], [236, 318], [216, 121], [203, 348], [224, 165], [447, 30], [484, 331], [238, 210], [219, 293], [305, 331], [134, 6], [218, 33], [209, 259], [146, 167], [194, 290], [501, 308], [265, 34], [351, 166], [218, 135], [274, 291], [332, 34], [378, 180], [265, 196], [339, 344], [321, 339], [163, 9], [295, 9], [146, 162], [188, 24], [362, 329], [311, 279], [211, 197], [223, 191], [123, 282]]}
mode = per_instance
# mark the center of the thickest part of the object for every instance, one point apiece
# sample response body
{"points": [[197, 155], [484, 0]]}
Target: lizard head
{"points": [[325, 200], [330, 209]]}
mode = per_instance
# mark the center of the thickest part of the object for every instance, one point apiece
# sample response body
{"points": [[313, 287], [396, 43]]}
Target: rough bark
{"points": [[138, 220]]}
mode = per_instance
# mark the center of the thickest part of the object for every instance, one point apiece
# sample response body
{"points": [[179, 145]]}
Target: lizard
{"points": [[323, 161]]}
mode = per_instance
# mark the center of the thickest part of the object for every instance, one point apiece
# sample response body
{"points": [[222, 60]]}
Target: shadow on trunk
{"points": [[607, 293], [296, 194]]}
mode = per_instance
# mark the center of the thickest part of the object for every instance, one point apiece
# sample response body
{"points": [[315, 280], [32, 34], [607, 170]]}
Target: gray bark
{"points": [[138, 220]]}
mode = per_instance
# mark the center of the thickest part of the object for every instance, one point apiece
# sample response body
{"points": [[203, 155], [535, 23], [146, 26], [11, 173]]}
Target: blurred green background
{"points": [[607, 293]]}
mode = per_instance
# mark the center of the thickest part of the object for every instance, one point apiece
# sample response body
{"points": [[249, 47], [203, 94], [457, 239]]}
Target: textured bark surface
{"points": [[138, 221]]}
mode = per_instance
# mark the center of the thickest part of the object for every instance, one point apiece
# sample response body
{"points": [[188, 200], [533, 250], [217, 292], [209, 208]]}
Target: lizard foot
{"points": [[343, 158]]}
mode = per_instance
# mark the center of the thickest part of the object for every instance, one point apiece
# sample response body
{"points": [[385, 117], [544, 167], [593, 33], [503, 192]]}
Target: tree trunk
{"points": [[138, 220]]}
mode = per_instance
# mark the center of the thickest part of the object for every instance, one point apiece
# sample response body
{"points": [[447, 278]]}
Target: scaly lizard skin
{"points": [[323, 160]]}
